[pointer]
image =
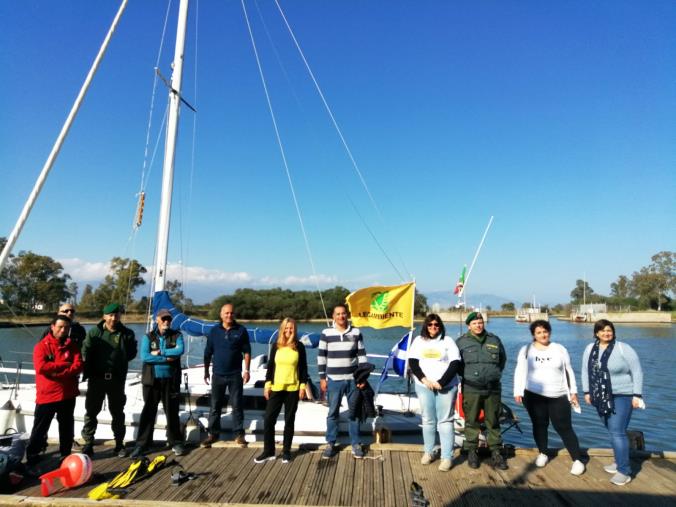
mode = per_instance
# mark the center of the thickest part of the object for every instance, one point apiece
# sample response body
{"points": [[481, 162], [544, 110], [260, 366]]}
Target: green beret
{"points": [[473, 316], [111, 308]]}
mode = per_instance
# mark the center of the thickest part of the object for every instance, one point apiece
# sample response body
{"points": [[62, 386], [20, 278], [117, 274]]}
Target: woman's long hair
{"points": [[431, 318], [281, 338]]}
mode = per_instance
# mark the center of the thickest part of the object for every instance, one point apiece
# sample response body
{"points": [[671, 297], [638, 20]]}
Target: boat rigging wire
{"points": [[23, 326], [192, 154], [144, 167], [346, 194], [284, 160], [338, 130]]}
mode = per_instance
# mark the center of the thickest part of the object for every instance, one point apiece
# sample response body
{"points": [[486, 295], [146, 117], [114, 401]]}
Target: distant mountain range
{"points": [[446, 299]]}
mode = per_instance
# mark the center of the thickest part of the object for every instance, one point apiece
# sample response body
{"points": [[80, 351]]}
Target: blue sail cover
{"points": [[196, 327]]}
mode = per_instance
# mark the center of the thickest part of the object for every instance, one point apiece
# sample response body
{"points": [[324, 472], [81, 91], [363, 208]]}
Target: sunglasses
{"points": [[433, 324], [68, 311], [166, 319]]}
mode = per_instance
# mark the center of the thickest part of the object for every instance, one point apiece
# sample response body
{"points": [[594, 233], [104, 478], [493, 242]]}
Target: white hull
{"points": [[401, 415]]}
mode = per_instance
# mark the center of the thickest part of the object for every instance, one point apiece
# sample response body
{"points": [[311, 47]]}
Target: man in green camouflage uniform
{"points": [[483, 359], [107, 350]]}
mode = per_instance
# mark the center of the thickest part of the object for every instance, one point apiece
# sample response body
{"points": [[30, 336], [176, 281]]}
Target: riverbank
{"points": [[138, 318]]}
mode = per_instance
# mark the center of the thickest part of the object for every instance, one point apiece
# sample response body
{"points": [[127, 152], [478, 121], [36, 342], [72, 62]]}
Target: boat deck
{"points": [[227, 474]]}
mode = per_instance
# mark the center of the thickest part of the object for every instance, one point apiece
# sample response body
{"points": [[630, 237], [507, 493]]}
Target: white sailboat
{"points": [[399, 412], [311, 416]]}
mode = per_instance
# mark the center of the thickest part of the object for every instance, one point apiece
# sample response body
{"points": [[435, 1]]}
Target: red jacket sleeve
{"points": [[43, 366], [70, 369]]}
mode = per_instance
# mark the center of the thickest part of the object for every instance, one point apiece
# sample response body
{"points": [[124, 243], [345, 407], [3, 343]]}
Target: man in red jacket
{"points": [[58, 363]]}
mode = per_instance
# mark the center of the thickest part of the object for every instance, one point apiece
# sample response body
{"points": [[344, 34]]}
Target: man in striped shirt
{"points": [[341, 350]]}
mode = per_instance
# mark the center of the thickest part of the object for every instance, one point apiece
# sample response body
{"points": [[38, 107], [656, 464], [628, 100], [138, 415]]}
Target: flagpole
{"points": [[408, 351], [476, 254], [410, 332]]}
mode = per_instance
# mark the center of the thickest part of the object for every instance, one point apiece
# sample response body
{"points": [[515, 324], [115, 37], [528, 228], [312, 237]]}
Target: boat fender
{"points": [[193, 430], [381, 433]]}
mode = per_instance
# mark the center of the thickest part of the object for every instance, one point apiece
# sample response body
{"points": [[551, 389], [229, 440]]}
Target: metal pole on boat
{"points": [[59, 141], [170, 150], [476, 254], [408, 348]]}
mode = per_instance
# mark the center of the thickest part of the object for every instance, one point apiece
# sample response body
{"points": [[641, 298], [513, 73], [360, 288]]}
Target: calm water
{"points": [[655, 345]]}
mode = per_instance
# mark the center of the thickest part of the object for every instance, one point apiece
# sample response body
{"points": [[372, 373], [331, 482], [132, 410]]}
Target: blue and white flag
{"points": [[396, 360]]}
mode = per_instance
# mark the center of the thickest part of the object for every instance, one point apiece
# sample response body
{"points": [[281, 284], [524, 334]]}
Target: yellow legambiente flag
{"points": [[381, 307]]}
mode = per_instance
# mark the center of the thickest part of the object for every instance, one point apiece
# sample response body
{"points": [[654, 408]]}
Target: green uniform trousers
{"points": [[472, 403], [97, 390]]}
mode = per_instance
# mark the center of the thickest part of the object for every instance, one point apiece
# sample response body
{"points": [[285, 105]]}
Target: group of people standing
{"points": [[102, 355], [612, 381], [544, 382]]}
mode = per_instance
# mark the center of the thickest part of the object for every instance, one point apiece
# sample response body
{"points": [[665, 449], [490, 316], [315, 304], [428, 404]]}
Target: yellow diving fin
{"points": [[121, 480]]}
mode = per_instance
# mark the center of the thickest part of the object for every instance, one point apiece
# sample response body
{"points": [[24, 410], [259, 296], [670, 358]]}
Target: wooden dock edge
{"points": [[592, 451], [32, 501]]}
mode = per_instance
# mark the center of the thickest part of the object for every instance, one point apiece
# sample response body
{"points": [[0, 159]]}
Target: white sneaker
{"points": [[541, 460], [611, 469], [426, 459], [445, 465], [577, 468], [619, 479]]}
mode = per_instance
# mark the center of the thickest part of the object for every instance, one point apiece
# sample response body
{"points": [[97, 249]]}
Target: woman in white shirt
{"points": [[434, 360], [544, 382]]}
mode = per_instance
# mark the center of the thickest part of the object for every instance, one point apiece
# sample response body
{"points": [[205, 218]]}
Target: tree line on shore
{"points": [[650, 288], [33, 283]]}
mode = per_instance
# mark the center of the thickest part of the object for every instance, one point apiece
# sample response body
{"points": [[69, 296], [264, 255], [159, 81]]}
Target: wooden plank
{"points": [[290, 485], [360, 488], [342, 482], [388, 479], [401, 484], [305, 491], [373, 469], [255, 488], [242, 470], [219, 467], [323, 481]]}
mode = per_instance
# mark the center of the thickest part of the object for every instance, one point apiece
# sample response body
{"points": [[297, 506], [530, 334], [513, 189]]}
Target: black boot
{"points": [[473, 458], [88, 449], [498, 460]]}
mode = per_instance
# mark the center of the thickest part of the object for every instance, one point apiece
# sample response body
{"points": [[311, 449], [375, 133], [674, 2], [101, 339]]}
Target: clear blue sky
{"points": [[558, 118]]}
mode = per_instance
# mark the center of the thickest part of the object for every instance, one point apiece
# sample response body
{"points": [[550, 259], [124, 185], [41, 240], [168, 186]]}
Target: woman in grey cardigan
{"points": [[612, 381]]}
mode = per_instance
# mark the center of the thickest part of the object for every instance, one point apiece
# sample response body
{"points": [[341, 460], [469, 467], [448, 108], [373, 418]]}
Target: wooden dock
{"points": [[228, 475]]}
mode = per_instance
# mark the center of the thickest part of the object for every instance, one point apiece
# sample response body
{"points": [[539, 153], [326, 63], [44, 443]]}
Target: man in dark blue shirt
{"points": [[227, 344]]}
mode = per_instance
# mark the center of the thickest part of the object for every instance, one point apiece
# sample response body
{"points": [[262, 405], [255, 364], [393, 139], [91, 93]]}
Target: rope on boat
{"points": [[343, 141], [284, 160]]}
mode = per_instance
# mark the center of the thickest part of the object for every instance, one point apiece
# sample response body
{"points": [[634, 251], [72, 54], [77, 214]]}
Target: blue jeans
{"points": [[437, 415], [234, 385], [335, 391], [617, 424]]}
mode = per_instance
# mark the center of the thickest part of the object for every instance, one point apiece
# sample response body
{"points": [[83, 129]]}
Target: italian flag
{"points": [[461, 282]]}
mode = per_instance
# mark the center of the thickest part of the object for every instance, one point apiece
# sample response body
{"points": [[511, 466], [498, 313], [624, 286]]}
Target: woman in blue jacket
{"points": [[612, 381]]}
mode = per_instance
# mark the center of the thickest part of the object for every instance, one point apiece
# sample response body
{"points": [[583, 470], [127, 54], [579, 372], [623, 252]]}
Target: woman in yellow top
{"points": [[284, 385]]}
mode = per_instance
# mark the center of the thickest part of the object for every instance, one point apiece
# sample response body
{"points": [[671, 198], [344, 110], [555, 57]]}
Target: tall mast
{"points": [[170, 149]]}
